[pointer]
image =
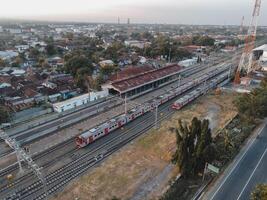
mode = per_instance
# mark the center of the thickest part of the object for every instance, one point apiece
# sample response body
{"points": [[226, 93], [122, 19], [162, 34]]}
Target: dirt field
{"points": [[142, 170]]}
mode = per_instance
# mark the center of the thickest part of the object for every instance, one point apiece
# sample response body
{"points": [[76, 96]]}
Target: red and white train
{"points": [[198, 92], [93, 134]]}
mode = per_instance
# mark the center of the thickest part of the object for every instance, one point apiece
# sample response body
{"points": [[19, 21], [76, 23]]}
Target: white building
{"points": [[7, 55], [49, 85], [136, 43], [142, 60], [18, 72], [188, 62], [22, 48], [4, 85], [78, 101], [106, 63], [15, 30], [261, 52], [34, 44]]}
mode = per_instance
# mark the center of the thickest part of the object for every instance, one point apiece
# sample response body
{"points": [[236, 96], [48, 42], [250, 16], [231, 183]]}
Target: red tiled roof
{"points": [[141, 79], [5, 79], [29, 92], [130, 72]]}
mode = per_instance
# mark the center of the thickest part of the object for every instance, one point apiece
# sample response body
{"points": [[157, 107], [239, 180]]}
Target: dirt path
{"points": [[152, 184], [212, 115]]}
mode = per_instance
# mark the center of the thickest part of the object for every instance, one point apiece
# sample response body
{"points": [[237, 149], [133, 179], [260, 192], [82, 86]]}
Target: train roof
{"points": [[87, 133], [92, 130]]}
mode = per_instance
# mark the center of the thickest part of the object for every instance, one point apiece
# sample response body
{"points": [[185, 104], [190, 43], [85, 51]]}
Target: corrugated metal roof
{"points": [[141, 79], [261, 48]]}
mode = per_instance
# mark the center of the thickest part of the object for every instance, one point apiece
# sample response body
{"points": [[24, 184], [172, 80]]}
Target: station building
{"points": [[139, 84]]}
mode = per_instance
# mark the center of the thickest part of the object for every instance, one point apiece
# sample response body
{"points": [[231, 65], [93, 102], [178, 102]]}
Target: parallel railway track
{"points": [[70, 170]]}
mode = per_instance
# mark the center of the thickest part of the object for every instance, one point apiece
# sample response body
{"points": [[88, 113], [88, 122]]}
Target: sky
{"points": [[221, 12]]}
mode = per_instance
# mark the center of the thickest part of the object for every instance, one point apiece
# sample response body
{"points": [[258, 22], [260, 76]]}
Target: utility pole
{"points": [[125, 103], [156, 117], [179, 80], [204, 173], [21, 155], [19, 161], [229, 75], [88, 88], [170, 52]]}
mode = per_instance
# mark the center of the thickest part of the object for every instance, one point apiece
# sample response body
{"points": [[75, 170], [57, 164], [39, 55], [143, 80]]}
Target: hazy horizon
{"points": [[204, 12]]}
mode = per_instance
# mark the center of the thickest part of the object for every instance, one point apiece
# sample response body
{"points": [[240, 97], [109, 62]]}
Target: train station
{"points": [[144, 82]]}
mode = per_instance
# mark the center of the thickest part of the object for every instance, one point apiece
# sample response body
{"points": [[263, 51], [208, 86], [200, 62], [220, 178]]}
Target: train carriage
{"points": [[87, 137], [121, 120], [179, 103], [90, 136]]}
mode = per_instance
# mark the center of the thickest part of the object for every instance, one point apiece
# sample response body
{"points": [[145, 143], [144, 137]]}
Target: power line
{"points": [[23, 156]]}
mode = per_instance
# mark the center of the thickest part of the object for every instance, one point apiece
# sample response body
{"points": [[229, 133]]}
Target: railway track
{"points": [[40, 156], [63, 175], [36, 157], [90, 163], [14, 167], [70, 170], [20, 136]]}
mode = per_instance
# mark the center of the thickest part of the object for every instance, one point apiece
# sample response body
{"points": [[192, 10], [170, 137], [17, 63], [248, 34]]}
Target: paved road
{"points": [[245, 173]]}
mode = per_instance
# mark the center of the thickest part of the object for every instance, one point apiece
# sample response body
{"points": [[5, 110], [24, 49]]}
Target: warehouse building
{"points": [[78, 101]]}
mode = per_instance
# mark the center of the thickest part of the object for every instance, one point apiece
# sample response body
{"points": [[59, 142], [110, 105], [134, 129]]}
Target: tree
{"points": [[2, 63], [17, 62], [259, 193], [147, 36], [50, 49], [42, 63], [81, 77], [253, 105], [34, 53], [136, 36], [4, 115], [194, 146], [75, 61], [203, 40], [114, 51], [108, 70], [181, 53]]}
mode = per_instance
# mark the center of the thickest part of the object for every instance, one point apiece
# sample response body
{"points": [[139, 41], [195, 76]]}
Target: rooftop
{"points": [[261, 48], [129, 72], [146, 77]]}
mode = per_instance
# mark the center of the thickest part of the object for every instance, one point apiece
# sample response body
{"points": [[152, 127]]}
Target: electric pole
{"points": [[179, 80], [156, 116], [125, 103], [23, 156]]}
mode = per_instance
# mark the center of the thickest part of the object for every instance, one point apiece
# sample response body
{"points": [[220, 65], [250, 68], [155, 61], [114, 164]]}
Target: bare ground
{"points": [[142, 170]]}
